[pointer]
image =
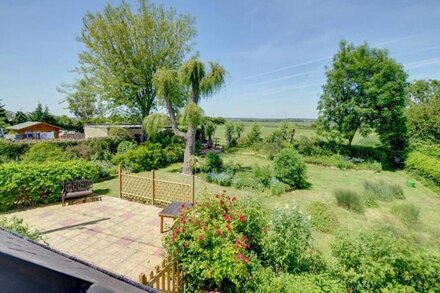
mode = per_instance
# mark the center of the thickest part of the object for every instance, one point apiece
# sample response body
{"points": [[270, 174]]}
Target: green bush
{"points": [[17, 225], [424, 166], [43, 152], [382, 191], [407, 213], [287, 245], [213, 163], [173, 152], [11, 151], [262, 176], [310, 283], [341, 162], [102, 148], [379, 261], [308, 146], [39, 183], [217, 243], [289, 168], [126, 145], [119, 133], [322, 217], [143, 158], [349, 200], [254, 135]]}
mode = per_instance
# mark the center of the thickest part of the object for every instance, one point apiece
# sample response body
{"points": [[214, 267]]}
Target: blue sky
{"points": [[274, 51]]}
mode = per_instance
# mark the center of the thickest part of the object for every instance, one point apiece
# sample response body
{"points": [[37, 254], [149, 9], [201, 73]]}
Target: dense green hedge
{"points": [[424, 165], [39, 183]]}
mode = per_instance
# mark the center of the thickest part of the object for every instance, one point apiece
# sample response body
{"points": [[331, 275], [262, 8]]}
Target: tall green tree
{"points": [[81, 98], [20, 117], [41, 114], [188, 85], [125, 48], [424, 110], [364, 91]]}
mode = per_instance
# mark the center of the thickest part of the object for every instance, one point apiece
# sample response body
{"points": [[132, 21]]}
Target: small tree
{"points": [[289, 168], [239, 127], [254, 135], [229, 131], [187, 86], [3, 118], [209, 131]]}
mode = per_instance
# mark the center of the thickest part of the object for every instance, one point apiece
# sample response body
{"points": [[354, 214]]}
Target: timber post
{"points": [[153, 186], [120, 180]]}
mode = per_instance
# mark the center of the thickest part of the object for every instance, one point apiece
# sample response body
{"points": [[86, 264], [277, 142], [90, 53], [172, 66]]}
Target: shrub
{"points": [[126, 145], [289, 168], [349, 200], [407, 213], [143, 158], [277, 187], [383, 191], [341, 162], [213, 163], [262, 176], [217, 243], [35, 183], [222, 179], [310, 283], [254, 135], [119, 133], [242, 180], [11, 151], [287, 245], [17, 225], [42, 152], [377, 260], [174, 152], [103, 148], [424, 165], [232, 167], [322, 217], [308, 146]]}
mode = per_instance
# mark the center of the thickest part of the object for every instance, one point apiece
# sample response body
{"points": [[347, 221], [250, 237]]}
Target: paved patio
{"points": [[115, 234]]}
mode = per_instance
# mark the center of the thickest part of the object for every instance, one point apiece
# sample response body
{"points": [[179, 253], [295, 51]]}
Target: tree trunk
{"points": [[228, 140], [350, 139], [190, 150]]}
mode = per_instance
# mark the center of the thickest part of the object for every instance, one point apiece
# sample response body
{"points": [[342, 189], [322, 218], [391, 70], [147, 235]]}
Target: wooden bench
{"points": [[172, 211], [76, 189]]}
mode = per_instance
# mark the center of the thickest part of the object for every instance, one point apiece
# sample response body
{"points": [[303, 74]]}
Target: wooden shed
{"points": [[34, 130]]}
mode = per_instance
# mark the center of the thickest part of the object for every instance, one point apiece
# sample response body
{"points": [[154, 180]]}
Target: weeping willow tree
{"points": [[188, 85]]}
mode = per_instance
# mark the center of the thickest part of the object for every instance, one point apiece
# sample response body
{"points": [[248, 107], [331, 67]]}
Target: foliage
{"points": [[365, 90], [341, 162], [29, 184], [287, 245], [173, 152], [322, 217], [43, 152], [424, 110], [377, 260], [81, 98], [424, 165], [222, 178], [217, 243], [210, 130], [407, 213], [254, 135], [262, 176], [310, 283], [17, 225], [289, 168], [153, 124], [192, 115], [3, 118], [124, 48], [42, 115], [239, 128], [119, 133], [276, 141], [229, 131], [213, 163], [349, 200], [126, 145], [143, 158]]}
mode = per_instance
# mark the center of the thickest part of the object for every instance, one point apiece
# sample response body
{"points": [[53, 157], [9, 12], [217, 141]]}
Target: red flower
{"points": [[200, 238], [242, 218], [234, 198], [222, 202], [227, 218], [217, 196], [264, 230], [219, 232], [242, 257]]}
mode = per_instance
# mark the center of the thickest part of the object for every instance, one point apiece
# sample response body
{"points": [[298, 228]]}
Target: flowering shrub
{"points": [[217, 243]]}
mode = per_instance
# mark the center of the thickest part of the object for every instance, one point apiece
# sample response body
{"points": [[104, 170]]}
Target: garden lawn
{"points": [[324, 180]]}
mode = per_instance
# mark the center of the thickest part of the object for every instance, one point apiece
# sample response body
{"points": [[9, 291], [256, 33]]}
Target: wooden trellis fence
{"points": [[149, 189], [166, 277]]}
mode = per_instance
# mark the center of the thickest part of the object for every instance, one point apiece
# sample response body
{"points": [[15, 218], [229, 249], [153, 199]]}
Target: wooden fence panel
{"points": [[166, 277]]}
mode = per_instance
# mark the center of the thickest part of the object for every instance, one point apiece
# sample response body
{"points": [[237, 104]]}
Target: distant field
{"points": [[302, 129]]}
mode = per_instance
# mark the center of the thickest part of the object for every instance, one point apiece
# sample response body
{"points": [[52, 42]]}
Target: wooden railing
{"points": [[151, 190], [166, 277]]}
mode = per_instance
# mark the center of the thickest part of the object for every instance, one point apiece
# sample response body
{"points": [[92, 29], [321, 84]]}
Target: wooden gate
{"points": [[148, 189], [166, 277]]}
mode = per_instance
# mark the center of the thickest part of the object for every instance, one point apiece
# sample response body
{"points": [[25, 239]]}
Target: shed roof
{"points": [[29, 124]]}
